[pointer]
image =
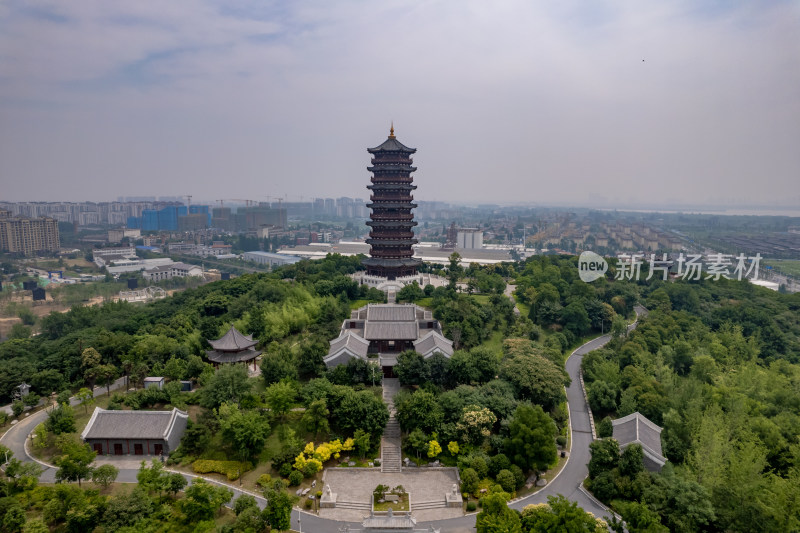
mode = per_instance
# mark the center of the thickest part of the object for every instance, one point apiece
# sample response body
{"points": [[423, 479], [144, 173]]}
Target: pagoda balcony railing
{"points": [[402, 235], [391, 198], [392, 254], [392, 160], [391, 180], [391, 216]]}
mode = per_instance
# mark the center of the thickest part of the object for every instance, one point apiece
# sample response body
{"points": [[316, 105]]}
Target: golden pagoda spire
{"points": [[391, 131]]}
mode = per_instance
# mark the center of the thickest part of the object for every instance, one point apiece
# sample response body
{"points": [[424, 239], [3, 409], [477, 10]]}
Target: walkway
{"points": [[391, 451]]}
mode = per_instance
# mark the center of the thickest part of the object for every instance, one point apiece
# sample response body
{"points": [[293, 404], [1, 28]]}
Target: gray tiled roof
{"points": [[392, 145], [636, 428], [434, 342], [389, 331], [393, 312], [232, 357], [131, 424], [232, 341], [350, 341]]}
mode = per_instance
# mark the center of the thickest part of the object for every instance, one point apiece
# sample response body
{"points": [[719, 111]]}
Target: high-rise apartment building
{"points": [[27, 236]]}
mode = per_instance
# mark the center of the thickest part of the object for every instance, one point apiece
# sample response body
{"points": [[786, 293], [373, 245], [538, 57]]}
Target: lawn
{"points": [[494, 342], [402, 505]]}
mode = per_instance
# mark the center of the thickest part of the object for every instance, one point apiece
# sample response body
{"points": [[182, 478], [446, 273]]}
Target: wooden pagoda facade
{"points": [[233, 347], [391, 236]]}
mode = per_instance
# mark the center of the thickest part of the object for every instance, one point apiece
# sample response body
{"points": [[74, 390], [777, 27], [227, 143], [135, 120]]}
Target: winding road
{"points": [[567, 483]]}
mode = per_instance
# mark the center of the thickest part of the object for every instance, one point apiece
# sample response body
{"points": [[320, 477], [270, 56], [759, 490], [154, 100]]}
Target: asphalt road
{"points": [[567, 483]]}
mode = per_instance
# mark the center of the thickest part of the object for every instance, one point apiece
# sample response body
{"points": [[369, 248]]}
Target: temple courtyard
{"points": [[427, 488]]}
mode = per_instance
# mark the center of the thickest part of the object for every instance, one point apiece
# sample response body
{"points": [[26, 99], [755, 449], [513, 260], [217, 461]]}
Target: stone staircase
{"points": [[391, 452], [358, 506], [432, 504]]}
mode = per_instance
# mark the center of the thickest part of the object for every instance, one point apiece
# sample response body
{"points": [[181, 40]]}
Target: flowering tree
{"points": [[476, 423]]}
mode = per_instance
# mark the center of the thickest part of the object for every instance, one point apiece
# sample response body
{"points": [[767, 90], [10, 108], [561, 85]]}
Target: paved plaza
{"points": [[426, 486]]}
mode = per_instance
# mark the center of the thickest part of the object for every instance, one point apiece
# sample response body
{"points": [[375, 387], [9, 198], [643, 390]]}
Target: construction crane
{"points": [[188, 201]]}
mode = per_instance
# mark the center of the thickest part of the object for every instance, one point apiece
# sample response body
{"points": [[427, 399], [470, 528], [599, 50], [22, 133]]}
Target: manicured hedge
{"points": [[231, 469]]}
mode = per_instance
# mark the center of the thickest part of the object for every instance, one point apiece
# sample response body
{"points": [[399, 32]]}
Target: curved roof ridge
{"points": [[233, 340]]}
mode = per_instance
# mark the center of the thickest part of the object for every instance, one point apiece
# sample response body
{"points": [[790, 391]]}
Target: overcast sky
{"points": [[522, 101]]}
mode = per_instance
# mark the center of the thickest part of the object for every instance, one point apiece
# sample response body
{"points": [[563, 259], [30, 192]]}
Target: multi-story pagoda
{"points": [[391, 220]]}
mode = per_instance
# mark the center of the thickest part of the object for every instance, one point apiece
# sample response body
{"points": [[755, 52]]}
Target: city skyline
{"points": [[608, 105]]}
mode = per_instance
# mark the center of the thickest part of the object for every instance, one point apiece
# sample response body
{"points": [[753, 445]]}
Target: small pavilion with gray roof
{"points": [[385, 331], [233, 347], [636, 429]]}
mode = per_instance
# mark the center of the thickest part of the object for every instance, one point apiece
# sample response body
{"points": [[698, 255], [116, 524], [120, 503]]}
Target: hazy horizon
{"points": [[598, 105]]}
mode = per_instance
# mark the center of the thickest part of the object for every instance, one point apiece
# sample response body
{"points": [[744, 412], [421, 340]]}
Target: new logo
{"points": [[591, 266]]}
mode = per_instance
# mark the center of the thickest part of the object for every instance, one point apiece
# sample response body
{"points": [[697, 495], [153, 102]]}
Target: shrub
{"points": [[605, 428], [506, 480], [309, 502], [471, 506], [231, 469], [469, 480], [561, 441], [285, 469], [519, 475], [295, 478], [264, 480], [17, 407]]}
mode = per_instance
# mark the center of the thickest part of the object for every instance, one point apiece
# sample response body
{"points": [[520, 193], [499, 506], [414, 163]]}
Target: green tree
{"points": [[106, 374], [683, 504], [602, 397], [469, 481], [203, 500], [229, 384], [496, 517], [411, 368], [361, 440], [280, 398], [175, 369], [418, 410], [105, 475], [631, 462], [315, 417], [535, 378], [575, 318], [278, 364], [418, 442], [74, 463], [278, 512], [605, 456], [505, 478], [248, 430], [85, 397], [90, 358], [23, 476], [126, 509], [48, 381], [61, 420], [559, 514], [638, 518], [361, 410], [531, 441], [35, 525], [14, 519]]}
